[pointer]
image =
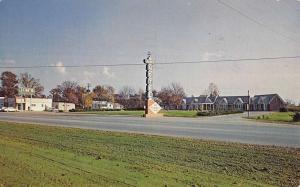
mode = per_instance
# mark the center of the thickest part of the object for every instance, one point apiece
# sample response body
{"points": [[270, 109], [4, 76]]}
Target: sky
{"points": [[78, 32]]}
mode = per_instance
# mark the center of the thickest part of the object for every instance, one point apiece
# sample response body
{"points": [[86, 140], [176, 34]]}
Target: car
{"points": [[52, 109], [9, 109], [2, 109]]}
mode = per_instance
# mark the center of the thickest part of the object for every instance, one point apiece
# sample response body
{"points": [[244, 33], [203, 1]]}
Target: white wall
{"points": [[63, 106], [38, 104]]}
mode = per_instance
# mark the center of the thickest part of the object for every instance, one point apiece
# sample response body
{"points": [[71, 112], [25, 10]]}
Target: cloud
{"points": [[60, 68], [107, 73]]}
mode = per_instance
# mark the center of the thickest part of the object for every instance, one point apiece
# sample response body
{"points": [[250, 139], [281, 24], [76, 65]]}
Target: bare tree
{"points": [[104, 93], [212, 90], [171, 96], [56, 94], [127, 97], [9, 84], [126, 92], [27, 81], [68, 92]]}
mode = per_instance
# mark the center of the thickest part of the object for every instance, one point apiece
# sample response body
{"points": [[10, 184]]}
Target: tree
{"points": [[290, 102], [104, 93], [212, 90], [80, 91], [126, 92], [68, 91], [9, 84], [126, 97], [88, 100], [172, 95], [56, 94], [27, 81]]}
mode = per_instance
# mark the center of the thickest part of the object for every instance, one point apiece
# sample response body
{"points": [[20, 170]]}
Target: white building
{"points": [[102, 105], [63, 106], [30, 104]]}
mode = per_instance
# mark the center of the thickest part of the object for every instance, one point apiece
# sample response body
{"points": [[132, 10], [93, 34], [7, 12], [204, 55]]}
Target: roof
{"points": [[264, 98], [232, 99]]}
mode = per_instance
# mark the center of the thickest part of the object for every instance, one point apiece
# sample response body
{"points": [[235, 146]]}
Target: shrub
{"points": [[293, 108], [203, 113], [258, 117], [72, 110], [283, 109], [60, 111], [296, 117]]}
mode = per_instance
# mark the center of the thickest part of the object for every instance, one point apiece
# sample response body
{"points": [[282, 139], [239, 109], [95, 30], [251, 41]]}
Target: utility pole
{"points": [[88, 86], [248, 104]]}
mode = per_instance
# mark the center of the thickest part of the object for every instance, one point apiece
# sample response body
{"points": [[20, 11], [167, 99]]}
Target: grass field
{"points": [[33, 155], [277, 117], [179, 113]]}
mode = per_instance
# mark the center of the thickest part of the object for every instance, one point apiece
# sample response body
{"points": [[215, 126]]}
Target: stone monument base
{"points": [[152, 109]]}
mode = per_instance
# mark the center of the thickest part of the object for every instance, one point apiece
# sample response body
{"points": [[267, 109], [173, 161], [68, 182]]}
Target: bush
{"points": [[283, 109], [296, 117], [72, 110], [60, 111], [216, 113], [293, 108], [204, 113]]}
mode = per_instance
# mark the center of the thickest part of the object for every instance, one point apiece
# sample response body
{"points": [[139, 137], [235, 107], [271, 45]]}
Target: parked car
{"points": [[52, 109], [8, 109]]}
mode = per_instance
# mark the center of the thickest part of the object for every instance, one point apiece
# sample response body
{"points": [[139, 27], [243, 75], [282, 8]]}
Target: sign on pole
{"points": [[26, 91]]}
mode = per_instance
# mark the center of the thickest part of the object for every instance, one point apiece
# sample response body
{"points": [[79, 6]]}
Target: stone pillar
{"points": [[151, 107]]}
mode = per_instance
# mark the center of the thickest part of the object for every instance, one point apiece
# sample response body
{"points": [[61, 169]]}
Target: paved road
{"points": [[231, 128]]}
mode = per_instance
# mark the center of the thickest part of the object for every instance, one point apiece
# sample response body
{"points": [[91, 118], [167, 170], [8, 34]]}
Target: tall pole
{"points": [[149, 76], [248, 103], [152, 108], [30, 101]]}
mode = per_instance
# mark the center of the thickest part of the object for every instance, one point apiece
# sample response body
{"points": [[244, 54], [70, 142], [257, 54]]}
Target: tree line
{"points": [[169, 97]]}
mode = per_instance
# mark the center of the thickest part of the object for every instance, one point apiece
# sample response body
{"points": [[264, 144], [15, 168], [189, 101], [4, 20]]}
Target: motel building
{"points": [[30, 104]]}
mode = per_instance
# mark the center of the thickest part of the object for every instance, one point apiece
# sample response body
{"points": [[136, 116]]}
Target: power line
{"points": [[160, 63], [255, 21]]}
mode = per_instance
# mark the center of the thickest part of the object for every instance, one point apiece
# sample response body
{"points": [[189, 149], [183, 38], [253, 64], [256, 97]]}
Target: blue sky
{"points": [[75, 32]]}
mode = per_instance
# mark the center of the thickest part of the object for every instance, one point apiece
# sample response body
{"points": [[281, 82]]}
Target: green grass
{"points": [[179, 113], [277, 117], [33, 155]]}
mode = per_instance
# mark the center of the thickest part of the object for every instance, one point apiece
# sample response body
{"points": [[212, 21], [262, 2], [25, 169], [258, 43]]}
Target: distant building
{"points": [[63, 106], [29, 104], [117, 106], [102, 105], [203, 103], [269, 102], [231, 103]]}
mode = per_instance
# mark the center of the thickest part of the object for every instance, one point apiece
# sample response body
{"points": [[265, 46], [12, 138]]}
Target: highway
{"points": [[231, 128]]}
